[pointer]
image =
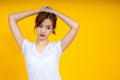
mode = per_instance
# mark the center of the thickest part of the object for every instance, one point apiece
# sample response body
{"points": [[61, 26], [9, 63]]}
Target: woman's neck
{"points": [[41, 42]]}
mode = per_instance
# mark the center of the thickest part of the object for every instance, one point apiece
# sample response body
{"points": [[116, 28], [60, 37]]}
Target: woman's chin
{"points": [[42, 38]]}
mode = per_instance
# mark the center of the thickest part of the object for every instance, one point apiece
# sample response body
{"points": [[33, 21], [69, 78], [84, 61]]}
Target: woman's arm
{"points": [[13, 18], [68, 38]]}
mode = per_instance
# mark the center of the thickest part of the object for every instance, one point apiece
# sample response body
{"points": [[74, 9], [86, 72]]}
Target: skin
{"points": [[46, 29], [42, 42]]}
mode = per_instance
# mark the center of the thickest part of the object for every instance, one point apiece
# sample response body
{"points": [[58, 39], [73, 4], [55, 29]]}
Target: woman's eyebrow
{"points": [[48, 25]]}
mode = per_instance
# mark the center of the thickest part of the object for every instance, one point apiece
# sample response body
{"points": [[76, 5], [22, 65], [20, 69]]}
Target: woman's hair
{"points": [[46, 15]]}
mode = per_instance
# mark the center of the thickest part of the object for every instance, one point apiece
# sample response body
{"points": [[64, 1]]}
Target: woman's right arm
{"points": [[13, 18]]}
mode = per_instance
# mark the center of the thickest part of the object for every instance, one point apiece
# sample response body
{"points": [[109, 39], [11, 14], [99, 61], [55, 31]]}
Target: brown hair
{"points": [[45, 15]]}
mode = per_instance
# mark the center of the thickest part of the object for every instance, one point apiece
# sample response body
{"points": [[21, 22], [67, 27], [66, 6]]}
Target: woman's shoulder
{"points": [[55, 43], [27, 42]]}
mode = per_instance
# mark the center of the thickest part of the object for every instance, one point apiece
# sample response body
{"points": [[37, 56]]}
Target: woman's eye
{"points": [[48, 28]]}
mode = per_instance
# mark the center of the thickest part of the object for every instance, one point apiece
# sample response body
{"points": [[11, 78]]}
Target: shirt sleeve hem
{"points": [[60, 47], [23, 45]]}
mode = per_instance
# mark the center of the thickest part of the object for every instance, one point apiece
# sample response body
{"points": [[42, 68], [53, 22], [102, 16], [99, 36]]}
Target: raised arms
{"points": [[68, 38]]}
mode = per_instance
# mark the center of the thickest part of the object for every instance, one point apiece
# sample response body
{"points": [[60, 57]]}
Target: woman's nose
{"points": [[43, 30]]}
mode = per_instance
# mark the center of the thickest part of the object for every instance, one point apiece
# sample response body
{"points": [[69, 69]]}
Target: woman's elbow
{"points": [[77, 26], [10, 16]]}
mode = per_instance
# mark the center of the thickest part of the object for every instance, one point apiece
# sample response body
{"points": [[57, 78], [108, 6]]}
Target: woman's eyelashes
{"points": [[48, 28]]}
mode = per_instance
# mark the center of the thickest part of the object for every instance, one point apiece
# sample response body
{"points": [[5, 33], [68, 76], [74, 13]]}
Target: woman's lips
{"points": [[42, 35]]}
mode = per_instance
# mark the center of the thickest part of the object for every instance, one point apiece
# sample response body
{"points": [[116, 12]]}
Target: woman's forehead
{"points": [[46, 22]]}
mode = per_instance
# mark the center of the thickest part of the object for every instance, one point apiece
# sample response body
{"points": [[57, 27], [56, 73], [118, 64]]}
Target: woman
{"points": [[42, 56]]}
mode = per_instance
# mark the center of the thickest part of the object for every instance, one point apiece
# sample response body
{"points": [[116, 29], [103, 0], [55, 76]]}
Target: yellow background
{"points": [[93, 55]]}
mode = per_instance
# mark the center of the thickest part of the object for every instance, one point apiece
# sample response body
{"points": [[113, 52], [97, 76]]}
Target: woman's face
{"points": [[44, 29]]}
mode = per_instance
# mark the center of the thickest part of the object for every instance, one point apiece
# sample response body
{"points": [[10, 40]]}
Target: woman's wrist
{"points": [[54, 11], [38, 11]]}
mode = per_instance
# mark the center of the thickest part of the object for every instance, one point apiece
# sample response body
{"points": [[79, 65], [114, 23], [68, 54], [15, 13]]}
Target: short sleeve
{"points": [[25, 45], [59, 47]]}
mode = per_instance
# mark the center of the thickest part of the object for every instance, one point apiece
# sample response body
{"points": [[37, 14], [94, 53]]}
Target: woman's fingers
{"points": [[46, 9]]}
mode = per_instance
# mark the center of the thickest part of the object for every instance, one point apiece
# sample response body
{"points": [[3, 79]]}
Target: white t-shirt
{"points": [[42, 66]]}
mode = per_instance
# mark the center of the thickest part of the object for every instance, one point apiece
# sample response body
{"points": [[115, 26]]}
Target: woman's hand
{"points": [[46, 9]]}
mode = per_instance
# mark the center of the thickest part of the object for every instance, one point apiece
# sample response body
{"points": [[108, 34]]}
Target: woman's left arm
{"points": [[74, 26]]}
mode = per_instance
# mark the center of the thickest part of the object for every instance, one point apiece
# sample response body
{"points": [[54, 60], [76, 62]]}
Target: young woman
{"points": [[42, 56]]}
